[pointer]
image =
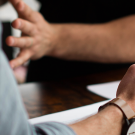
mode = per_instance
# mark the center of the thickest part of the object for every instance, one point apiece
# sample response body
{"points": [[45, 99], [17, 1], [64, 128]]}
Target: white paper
{"points": [[70, 116], [8, 13], [107, 90]]}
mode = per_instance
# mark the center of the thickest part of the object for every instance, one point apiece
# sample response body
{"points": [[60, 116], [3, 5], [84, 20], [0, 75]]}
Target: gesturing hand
{"points": [[37, 34], [126, 89]]}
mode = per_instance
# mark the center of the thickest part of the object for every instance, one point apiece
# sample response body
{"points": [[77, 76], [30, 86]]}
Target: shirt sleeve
{"points": [[53, 128]]}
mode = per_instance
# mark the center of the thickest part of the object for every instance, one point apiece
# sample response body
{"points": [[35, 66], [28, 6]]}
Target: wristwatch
{"points": [[129, 125], [131, 128]]}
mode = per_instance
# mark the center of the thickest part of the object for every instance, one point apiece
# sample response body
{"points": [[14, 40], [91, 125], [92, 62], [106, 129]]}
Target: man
{"points": [[13, 119]]}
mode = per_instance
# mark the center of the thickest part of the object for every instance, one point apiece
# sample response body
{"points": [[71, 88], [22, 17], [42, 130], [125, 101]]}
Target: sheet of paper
{"points": [[8, 13], [70, 116], [107, 90]]}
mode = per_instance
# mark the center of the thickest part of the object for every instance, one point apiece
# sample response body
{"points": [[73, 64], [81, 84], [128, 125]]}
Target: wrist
{"points": [[113, 118], [112, 113], [107, 122], [55, 40]]}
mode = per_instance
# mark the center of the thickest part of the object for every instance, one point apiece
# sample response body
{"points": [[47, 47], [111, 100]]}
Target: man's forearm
{"points": [[111, 42], [107, 122]]}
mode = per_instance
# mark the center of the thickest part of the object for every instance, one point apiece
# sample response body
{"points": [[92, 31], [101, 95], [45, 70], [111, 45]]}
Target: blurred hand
{"points": [[126, 89], [37, 34]]}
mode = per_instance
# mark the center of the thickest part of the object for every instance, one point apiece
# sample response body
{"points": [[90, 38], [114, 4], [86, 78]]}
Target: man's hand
{"points": [[126, 89], [109, 121], [37, 34]]}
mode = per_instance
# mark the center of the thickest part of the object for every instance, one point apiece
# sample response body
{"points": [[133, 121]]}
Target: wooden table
{"points": [[54, 96]]}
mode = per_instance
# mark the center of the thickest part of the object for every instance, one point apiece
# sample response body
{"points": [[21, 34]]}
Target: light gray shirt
{"points": [[13, 117]]}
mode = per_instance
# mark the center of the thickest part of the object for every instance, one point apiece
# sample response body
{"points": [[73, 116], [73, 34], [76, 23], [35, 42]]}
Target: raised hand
{"points": [[37, 34], [126, 89]]}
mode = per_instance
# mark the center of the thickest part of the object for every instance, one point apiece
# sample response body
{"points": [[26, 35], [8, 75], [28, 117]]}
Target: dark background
{"points": [[86, 11], [77, 11]]}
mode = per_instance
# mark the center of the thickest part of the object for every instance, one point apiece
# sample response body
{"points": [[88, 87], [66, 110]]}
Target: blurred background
{"points": [[64, 11]]}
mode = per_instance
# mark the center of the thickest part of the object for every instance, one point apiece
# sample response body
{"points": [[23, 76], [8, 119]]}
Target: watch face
{"points": [[131, 130]]}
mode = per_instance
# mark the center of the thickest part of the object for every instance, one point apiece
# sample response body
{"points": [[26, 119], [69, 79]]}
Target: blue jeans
{"points": [[13, 117]]}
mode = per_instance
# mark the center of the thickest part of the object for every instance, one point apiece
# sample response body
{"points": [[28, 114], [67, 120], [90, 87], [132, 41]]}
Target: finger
{"points": [[25, 26], [23, 57], [22, 42], [24, 10]]}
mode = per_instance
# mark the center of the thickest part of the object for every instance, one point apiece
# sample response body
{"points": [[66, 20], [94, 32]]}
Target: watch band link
{"points": [[122, 105]]}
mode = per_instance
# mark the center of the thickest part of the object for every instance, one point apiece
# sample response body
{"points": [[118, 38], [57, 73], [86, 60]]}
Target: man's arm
{"points": [[13, 117], [111, 42], [107, 122]]}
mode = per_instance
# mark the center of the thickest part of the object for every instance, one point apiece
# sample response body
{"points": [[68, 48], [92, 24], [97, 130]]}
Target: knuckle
{"points": [[39, 17], [9, 40], [17, 42], [23, 43], [35, 30], [29, 12], [23, 24], [30, 31], [34, 50], [37, 39], [17, 23]]}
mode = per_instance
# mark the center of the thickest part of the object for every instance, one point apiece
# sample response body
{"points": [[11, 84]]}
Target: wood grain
{"points": [[55, 96]]}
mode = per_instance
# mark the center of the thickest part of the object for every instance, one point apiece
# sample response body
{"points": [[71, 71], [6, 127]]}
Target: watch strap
{"points": [[126, 110], [122, 105]]}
